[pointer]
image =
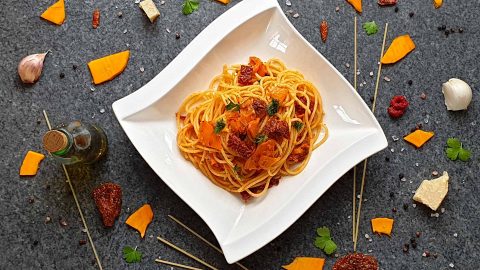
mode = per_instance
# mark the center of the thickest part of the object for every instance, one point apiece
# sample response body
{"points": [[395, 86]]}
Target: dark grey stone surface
{"points": [[30, 243]]}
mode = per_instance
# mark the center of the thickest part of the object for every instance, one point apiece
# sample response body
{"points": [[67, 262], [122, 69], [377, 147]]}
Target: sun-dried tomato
{"points": [[108, 198], [356, 261], [245, 77], [96, 18], [299, 153], [260, 107], [276, 129], [243, 149], [299, 110]]}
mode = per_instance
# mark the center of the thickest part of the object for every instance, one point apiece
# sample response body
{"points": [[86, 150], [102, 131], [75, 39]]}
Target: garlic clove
{"points": [[457, 93], [30, 67]]}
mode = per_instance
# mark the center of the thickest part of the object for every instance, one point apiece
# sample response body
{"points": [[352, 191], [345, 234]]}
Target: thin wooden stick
{"points": [[185, 253], [203, 239], [365, 161], [177, 265], [97, 258], [354, 202]]}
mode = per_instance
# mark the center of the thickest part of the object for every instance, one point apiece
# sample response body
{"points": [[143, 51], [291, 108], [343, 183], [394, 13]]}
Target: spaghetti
{"points": [[255, 124]]}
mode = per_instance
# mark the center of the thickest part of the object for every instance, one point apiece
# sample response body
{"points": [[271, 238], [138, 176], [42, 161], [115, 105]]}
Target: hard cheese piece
{"points": [[141, 219], [306, 263], [400, 47], [382, 225], [55, 13], [150, 9], [357, 4], [30, 163], [432, 192], [419, 137], [108, 67]]}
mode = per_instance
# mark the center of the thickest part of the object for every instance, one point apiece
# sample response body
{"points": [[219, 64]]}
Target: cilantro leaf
{"points": [[452, 153], [454, 143], [189, 6], [324, 241], [131, 255], [232, 106], [330, 247], [260, 138], [323, 231], [370, 28], [219, 126], [464, 154], [297, 125], [320, 242], [273, 107]]}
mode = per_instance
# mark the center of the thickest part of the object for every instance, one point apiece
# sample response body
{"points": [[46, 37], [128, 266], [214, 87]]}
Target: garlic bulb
{"points": [[30, 68], [457, 93]]}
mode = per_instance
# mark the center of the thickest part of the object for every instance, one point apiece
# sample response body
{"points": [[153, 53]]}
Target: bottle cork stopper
{"points": [[54, 141]]}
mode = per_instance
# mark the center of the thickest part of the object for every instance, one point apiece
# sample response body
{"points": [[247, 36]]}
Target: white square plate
{"points": [[261, 29]]}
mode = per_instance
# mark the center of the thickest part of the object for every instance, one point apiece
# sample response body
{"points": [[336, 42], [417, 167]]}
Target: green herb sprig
{"points": [[219, 126], [260, 138], [370, 28], [131, 255], [455, 150], [297, 125], [273, 107], [324, 241], [231, 106], [189, 6]]}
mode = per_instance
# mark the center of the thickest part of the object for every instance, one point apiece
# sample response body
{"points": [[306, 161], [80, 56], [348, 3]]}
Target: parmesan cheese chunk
{"points": [[150, 9], [432, 192]]}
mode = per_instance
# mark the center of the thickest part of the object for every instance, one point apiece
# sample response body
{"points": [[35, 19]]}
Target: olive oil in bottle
{"points": [[76, 143]]}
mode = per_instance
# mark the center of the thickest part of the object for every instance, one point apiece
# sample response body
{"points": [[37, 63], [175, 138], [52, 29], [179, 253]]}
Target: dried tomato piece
{"points": [[260, 108], [241, 148], [276, 129], [356, 261], [394, 113], [245, 77], [387, 2], [299, 153], [108, 198], [96, 19]]}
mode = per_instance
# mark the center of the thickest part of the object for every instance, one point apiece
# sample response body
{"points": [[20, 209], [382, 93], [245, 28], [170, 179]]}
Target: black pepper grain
{"points": [[452, 30], [394, 210], [413, 240], [392, 194], [35, 242], [417, 234], [405, 247], [460, 30], [444, 27], [447, 32], [396, 9], [82, 242], [372, 99], [439, 28], [410, 82], [414, 245], [427, 253], [405, 206], [400, 176], [411, 14], [435, 255], [31, 200], [62, 75], [387, 159], [74, 67], [177, 35]]}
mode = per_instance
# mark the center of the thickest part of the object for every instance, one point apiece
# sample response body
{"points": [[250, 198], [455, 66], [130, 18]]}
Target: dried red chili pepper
{"points": [[398, 105], [108, 198], [96, 18]]}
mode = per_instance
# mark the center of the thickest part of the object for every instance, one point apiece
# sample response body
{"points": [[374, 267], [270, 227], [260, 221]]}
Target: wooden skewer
{"points": [[177, 265], [354, 202], [97, 258], [186, 253], [203, 239], [365, 161]]}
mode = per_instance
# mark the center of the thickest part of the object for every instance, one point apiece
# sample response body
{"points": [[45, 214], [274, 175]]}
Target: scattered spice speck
{"points": [[387, 79], [177, 35], [48, 219], [347, 65], [405, 206], [451, 265], [82, 242], [142, 69], [296, 15], [434, 173], [455, 235], [102, 110], [337, 9], [168, 30], [371, 74], [96, 18], [62, 75], [137, 1], [396, 9], [120, 14], [406, 247], [395, 138], [74, 67], [125, 31], [63, 222], [423, 96], [162, 3], [288, 3], [411, 14], [417, 234], [31, 200]]}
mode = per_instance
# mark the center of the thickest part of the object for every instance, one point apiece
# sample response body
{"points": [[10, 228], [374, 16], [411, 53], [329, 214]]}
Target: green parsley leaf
{"points": [[454, 143], [273, 107], [323, 231], [370, 28], [324, 241], [455, 150], [464, 154], [261, 138], [219, 126], [452, 153], [330, 247], [189, 6], [237, 169], [232, 106], [297, 125], [131, 255]]}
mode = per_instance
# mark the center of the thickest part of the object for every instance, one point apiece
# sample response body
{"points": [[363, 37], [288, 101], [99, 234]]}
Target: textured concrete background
{"points": [[30, 243]]}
